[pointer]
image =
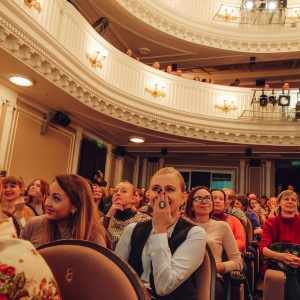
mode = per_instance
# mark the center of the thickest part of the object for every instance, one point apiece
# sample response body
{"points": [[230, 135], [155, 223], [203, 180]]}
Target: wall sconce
{"points": [[97, 57], [33, 3], [226, 13], [158, 90], [226, 106]]}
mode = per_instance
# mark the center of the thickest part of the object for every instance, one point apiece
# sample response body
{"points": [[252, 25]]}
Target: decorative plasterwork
{"points": [[217, 36], [21, 45]]}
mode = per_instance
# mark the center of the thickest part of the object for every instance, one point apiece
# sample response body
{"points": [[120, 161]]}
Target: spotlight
{"points": [[263, 99], [249, 4], [164, 151], [272, 5], [272, 98], [284, 100]]}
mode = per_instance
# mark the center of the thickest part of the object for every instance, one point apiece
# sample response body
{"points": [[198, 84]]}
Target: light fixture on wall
{"points": [[21, 80], [137, 139], [226, 105], [33, 3], [157, 90], [97, 57]]}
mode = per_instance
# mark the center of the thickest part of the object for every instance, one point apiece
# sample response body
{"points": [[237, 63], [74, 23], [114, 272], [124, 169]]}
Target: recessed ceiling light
{"points": [[137, 139], [21, 80]]}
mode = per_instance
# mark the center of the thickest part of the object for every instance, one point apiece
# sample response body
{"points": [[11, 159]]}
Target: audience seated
{"points": [[130, 53], [137, 200], [168, 69], [179, 73], [229, 205], [200, 206], [271, 207], [37, 193], [196, 78], [165, 251], [99, 194], [121, 214], [236, 226], [284, 228], [156, 65], [70, 213], [235, 83], [24, 273], [12, 199], [242, 203], [255, 205]]}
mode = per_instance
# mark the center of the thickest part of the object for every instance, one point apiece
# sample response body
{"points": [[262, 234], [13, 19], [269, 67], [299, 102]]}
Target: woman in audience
{"points": [[242, 203], [271, 208], [165, 252], [284, 228], [168, 69], [137, 200], [156, 65], [12, 199], [196, 78], [121, 214], [19, 262], [199, 208], [37, 193], [255, 205], [234, 223], [99, 194], [70, 213]]}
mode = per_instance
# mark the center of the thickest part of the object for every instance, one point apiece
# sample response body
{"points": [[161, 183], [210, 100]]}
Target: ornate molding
{"points": [[216, 36], [151, 116]]}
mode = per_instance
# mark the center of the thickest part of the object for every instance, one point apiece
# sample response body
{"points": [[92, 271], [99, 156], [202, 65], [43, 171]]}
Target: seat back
{"points": [[274, 285], [206, 276], [85, 270]]}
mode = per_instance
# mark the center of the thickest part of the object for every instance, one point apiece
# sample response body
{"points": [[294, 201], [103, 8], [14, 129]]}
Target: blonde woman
{"points": [[166, 251]]}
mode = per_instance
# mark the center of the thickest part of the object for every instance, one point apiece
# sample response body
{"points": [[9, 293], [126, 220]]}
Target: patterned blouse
{"points": [[116, 225], [24, 274]]}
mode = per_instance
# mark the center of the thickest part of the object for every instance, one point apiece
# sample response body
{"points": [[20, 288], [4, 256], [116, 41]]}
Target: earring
{"points": [[72, 212]]}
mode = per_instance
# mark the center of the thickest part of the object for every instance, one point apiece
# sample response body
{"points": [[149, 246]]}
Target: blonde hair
{"points": [[85, 223], [171, 170], [284, 194]]}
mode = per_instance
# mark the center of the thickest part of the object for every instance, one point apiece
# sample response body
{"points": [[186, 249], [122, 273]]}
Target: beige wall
{"points": [[34, 155]]}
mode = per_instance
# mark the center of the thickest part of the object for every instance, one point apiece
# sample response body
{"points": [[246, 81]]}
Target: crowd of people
{"points": [[162, 230]]}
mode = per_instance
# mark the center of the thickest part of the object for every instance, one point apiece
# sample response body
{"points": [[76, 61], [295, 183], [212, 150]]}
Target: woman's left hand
{"points": [[162, 217], [292, 260]]}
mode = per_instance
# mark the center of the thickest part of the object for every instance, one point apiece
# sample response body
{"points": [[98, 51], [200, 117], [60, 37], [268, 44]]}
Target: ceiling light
{"points": [[249, 5], [137, 139], [21, 80], [272, 5]]}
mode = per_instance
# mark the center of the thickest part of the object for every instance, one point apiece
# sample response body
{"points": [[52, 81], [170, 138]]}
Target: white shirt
{"points": [[168, 271]]}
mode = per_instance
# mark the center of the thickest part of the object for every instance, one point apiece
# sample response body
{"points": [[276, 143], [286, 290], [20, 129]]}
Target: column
{"points": [[6, 134], [119, 170], [242, 177], [136, 172], [268, 178], [144, 182], [76, 152], [108, 165]]}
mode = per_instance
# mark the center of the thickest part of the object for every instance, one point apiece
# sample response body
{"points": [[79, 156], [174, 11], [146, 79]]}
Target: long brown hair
{"points": [[85, 223], [44, 191]]}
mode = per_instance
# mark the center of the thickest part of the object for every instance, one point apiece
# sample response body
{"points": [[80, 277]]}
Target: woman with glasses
{"points": [[121, 214], [200, 208], [166, 251]]}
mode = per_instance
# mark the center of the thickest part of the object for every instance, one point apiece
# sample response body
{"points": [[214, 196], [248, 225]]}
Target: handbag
{"points": [[283, 248]]}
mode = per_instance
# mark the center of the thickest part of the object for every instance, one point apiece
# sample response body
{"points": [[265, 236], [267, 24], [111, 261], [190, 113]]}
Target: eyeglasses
{"points": [[200, 199]]}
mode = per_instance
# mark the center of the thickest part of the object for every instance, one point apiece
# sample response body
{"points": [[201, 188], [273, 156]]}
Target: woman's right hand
{"points": [[19, 207], [114, 207]]}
